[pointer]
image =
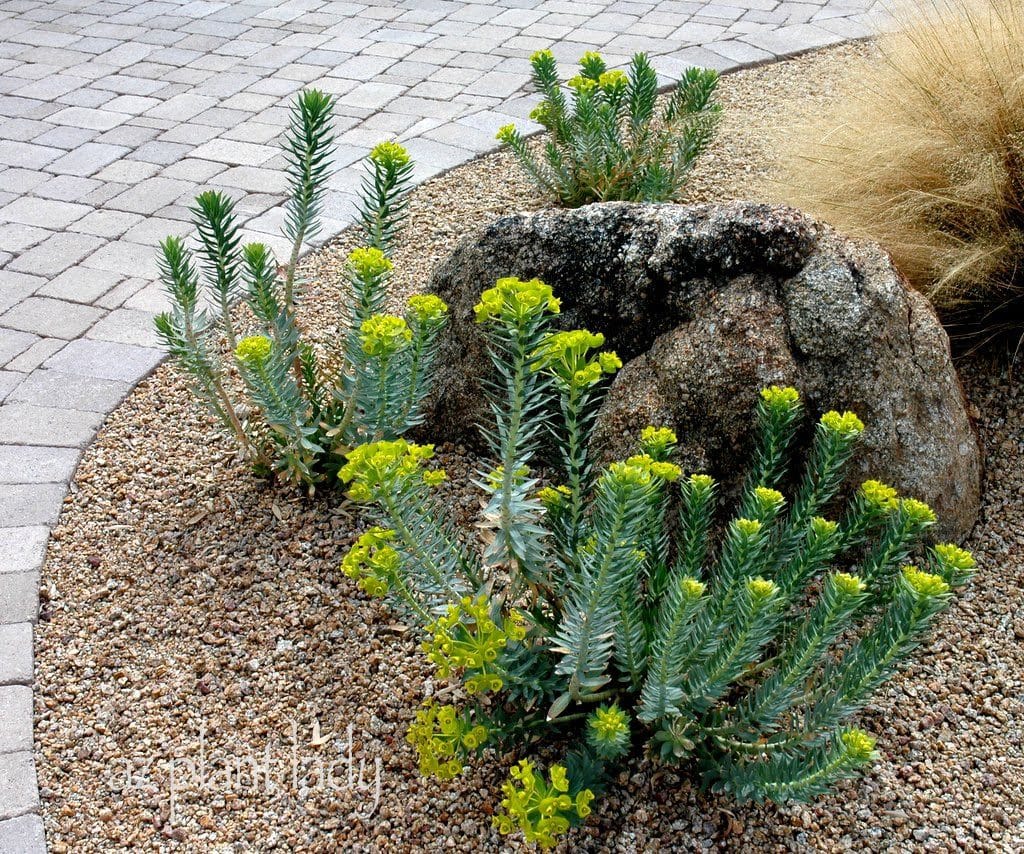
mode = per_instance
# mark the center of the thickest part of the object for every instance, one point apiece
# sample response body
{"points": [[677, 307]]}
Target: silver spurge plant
{"points": [[607, 140], [301, 407], [605, 613]]}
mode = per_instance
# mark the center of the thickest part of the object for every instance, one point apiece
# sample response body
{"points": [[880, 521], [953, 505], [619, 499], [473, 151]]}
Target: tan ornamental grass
{"points": [[923, 152]]}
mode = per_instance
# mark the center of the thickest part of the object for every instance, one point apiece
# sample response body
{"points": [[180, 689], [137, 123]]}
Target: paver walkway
{"points": [[113, 113]]}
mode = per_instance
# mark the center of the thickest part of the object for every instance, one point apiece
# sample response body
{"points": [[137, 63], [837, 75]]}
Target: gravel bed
{"points": [[207, 680]]}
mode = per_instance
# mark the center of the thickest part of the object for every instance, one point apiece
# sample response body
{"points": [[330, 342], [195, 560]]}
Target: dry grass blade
{"points": [[924, 153]]}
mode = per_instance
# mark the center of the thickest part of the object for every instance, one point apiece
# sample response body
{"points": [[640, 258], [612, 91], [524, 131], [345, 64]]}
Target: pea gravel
{"points": [[193, 614]]}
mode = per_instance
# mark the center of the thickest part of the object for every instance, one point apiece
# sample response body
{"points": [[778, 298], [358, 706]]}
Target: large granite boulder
{"points": [[706, 304]]}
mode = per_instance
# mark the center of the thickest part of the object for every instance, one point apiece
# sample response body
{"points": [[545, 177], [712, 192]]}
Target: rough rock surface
{"points": [[708, 303]]}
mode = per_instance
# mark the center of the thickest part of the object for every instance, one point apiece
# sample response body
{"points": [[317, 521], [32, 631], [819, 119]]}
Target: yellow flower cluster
{"points": [[371, 562], [253, 349], [565, 356], [748, 528], [541, 114], [376, 466], [541, 810], [658, 441], [514, 300], [924, 584], [466, 639], [917, 511], [768, 500], [879, 494], [954, 557], [608, 731], [384, 335], [435, 477], [761, 589], [553, 497], [368, 262], [955, 564], [389, 154], [845, 424], [701, 482], [850, 585], [877, 499], [609, 722], [613, 82], [823, 528], [627, 473], [780, 397], [427, 309], [581, 85], [661, 470], [441, 738], [858, 745], [507, 133]]}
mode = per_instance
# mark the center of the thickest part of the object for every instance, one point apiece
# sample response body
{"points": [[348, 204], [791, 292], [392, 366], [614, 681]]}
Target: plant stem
{"points": [[350, 408], [418, 347], [382, 396], [413, 544], [575, 460], [506, 517], [410, 600], [236, 424]]}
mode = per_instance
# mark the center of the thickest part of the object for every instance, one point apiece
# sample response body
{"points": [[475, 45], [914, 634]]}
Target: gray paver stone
{"points": [[30, 504], [15, 237], [152, 298], [106, 223], [19, 793], [44, 213], [15, 718], [740, 52], [117, 296], [35, 355], [793, 39], [253, 179], [25, 155], [23, 834], [88, 159], [53, 317], [68, 188], [36, 463], [89, 117], [22, 548], [127, 326], [151, 195], [81, 284], [27, 424], [128, 171], [125, 257], [55, 254], [13, 342], [14, 287], [15, 656], [19, 599], [106, 360], [9, 381]]}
